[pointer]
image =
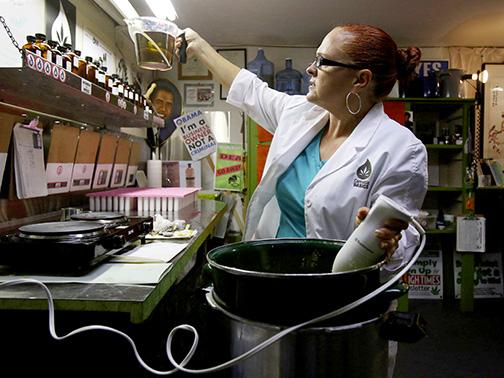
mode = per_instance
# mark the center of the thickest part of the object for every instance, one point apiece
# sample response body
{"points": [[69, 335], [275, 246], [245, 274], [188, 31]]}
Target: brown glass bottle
{"points": [[100, 75], [66, 61], [90, 70], [81, 69], [31, 46], [54, 50], [112, 84], [45, 49], [106, 78], [73, 56]]}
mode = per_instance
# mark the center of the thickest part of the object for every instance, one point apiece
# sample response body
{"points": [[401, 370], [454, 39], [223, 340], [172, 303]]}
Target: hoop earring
{"points": [[348, 105]]}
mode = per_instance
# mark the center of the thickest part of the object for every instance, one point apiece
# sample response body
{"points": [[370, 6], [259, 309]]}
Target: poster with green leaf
{"points": [[229, 167], [425, 278]]}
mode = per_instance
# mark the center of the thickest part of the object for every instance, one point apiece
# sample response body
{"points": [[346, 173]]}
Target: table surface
{"points": [[137, 300]]}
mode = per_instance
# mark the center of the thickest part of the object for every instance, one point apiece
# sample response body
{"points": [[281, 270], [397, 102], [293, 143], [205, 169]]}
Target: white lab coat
{"points": [[396, 166]]}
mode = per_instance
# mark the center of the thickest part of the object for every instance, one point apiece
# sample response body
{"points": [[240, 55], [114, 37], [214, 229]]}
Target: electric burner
{"points": [[62, 230], [72, 247], [99, 216]]}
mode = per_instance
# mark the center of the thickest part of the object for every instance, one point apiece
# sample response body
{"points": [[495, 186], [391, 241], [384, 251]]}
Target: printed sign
{"points": [[229, 167], [197, 135], [487, 275], [426, 70], [425, 278]]}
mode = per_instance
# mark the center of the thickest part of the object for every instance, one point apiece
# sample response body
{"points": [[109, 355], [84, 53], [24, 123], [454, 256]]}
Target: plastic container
{"points": [[263, 68], [288, 80]]}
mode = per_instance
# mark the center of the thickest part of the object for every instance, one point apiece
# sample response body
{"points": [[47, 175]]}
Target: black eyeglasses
{"points": [[320, 61]]}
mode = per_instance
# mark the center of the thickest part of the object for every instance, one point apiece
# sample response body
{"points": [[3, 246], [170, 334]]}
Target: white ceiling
{"points": [[304, 23]]}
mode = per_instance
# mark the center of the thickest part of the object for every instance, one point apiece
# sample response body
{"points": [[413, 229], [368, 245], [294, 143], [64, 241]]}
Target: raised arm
{"points": [[223, 70]]}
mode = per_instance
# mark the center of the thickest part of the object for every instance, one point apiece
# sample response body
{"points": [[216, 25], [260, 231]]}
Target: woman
{"points": [[334, 151]]}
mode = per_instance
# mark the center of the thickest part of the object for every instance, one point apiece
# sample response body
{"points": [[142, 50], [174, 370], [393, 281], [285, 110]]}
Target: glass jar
{"points": [[31, 46], [113, 84], [66, 61], [81, 69], [45, 49], [90, 70], [73, 57]]}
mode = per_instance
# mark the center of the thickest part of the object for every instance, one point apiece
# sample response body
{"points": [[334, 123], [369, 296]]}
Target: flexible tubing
{"points": [[181, 366]]}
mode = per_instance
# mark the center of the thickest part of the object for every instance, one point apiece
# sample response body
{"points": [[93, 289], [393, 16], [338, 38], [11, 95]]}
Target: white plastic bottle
{"points": [[362, 248]]}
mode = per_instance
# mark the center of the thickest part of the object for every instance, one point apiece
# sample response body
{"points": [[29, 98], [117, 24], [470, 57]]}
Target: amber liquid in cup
{"points": [[148, 55]]}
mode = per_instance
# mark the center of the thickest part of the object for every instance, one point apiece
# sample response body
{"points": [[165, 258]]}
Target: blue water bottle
{"points": [[263, 68], [289, 80]]}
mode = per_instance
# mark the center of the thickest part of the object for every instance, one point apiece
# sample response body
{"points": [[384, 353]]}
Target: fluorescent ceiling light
{"points": [[125, 8], [162, 9]]}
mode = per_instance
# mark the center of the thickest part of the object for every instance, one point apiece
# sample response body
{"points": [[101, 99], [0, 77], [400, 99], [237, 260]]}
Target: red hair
{"points": [[374, 49]]}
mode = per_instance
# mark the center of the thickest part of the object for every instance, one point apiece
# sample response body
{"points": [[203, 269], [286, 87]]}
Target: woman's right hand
{"points": [[193, 40]]}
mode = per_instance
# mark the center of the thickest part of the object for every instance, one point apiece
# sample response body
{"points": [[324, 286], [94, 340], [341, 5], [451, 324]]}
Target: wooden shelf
{"points": [[42, 86]]}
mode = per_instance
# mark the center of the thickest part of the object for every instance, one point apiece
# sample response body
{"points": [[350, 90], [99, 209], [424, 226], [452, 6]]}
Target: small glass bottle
{"points": [[189, 176], [45, 49], [31, 46], [120, 87], [90, 70], [106, 77], [113, 84], [100, 75], [131, 93], [74, 57], [126, 91], [66, 60], [54, 50], [81, 69]]}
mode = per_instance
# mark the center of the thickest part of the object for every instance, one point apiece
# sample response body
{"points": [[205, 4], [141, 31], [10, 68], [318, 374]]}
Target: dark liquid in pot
{"points": [[148, 55]]}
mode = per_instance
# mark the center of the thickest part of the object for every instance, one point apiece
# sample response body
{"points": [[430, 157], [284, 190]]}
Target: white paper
{"points": [[154, 252], [118, 175], [470, 234], [131, 274], [29, 167], [82, 175], [102, 176], [58, 177]]}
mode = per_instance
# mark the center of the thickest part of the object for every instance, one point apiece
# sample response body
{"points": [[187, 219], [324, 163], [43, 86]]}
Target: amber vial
{"points": [[90, 70], [43, 46], [67, 61], [31, 46], [81, 64]]}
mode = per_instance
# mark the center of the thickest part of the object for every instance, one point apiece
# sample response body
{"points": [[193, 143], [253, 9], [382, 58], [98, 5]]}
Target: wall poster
{"points": [[60, 21], [493, 112]]}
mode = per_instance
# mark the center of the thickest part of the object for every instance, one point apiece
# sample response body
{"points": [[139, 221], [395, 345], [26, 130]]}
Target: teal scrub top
{"points": [[291, 188]]}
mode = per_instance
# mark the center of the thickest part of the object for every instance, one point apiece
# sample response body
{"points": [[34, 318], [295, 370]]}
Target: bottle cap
{"points": [[40, 36], [89, 59], [77, 52], [30, 38], [68, 46]]}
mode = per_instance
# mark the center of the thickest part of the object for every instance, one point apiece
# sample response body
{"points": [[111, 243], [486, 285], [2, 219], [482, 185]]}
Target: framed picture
{"points": [[235, 56], [198, 94], [493, 112], [193, 70]]}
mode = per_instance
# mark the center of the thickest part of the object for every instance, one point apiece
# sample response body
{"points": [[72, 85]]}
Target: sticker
{"points": [[107, 96], [86, 86], [31, 61], [55, 72], [39, 64], [47, 68], [62, 76]]}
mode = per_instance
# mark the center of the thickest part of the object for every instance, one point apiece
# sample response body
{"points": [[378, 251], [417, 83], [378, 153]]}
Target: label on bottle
{"points": [[131, 96], [121, 88], [115, 91], [38, 52], [101, 78], [86, 86], [59, 60], [136, 97], [68, 66], [49, 56], [76, 62]]}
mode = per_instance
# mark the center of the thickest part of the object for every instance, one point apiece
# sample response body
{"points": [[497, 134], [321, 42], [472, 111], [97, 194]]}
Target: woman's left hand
{"points": [[389, 234]]}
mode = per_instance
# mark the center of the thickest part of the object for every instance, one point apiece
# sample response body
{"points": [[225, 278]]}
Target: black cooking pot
{"points": [[288, 281]]}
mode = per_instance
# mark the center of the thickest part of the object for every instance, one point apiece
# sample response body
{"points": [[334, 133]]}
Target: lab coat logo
{"points": [[363, 173]]}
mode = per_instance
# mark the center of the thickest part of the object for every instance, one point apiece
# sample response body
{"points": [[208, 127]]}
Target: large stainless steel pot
{"points": [[288, 281], [354, 350]]}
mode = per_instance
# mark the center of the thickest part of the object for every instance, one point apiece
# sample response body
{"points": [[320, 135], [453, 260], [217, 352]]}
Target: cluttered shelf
{"points": [[42, 86]]}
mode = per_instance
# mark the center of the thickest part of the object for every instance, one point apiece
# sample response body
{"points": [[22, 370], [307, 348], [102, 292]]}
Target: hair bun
{"points": [[407, 60]]}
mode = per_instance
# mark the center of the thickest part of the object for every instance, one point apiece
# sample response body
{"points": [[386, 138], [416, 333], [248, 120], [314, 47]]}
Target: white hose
{"points": [[190, 354]]}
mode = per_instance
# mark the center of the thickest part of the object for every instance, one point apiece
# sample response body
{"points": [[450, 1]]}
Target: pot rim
{"points": [[254, 273]]}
